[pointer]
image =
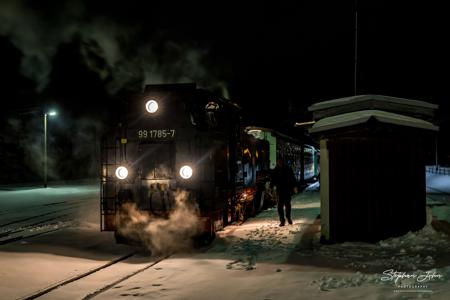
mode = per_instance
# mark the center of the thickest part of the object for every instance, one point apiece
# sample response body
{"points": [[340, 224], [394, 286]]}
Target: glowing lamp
{"points": [[151, 106], [121, 172], [186, 172]]}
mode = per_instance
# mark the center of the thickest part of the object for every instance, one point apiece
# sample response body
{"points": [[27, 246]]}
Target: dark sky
{"points": [[84, 56], [297, 51], [274, 58]]}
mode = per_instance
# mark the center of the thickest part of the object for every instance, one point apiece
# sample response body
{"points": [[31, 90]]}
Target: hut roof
{"points": [[363, 116], [413, 108]]}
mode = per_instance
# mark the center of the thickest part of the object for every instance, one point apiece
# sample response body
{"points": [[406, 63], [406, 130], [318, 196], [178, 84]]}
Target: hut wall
{"points": [[374, 186]]}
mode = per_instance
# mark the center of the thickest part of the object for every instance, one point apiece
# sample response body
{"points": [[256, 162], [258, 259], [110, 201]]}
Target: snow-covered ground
{"points": [[256, 260], [437, 183], [259, 260], [438, 195], [33, 211], [47, 235]]}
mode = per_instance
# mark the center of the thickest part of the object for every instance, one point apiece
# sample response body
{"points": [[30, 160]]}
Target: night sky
{"points": [[83, 57]]}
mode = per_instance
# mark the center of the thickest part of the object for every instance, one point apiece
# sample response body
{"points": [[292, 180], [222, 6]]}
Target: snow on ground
{"points": [[259, 260], [76, 245], [437, 183], [256, 240], [13, 198], [256, 260], [438, 195], [25, 212]]}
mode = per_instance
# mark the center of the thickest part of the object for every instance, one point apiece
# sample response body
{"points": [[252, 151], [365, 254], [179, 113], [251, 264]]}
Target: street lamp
{"points": [[50, 113]]}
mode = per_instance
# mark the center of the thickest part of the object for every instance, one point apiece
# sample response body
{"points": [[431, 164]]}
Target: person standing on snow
{"points": [[284, 180]]}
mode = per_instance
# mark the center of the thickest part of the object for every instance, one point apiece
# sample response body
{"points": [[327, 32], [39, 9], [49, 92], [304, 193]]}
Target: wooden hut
{"points": [[372, 166]]}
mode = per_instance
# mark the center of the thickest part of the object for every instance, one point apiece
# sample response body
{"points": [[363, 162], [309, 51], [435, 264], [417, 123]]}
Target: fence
{"points": [[438, 170]]}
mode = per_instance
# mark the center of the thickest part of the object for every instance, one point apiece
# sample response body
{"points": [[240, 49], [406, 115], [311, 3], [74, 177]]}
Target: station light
{"points": [[186, 172], [46, 115], [151, 106], [121, 172]]}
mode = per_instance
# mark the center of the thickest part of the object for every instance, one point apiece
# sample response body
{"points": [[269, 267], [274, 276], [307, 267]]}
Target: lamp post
{"points": [[51, 113]]}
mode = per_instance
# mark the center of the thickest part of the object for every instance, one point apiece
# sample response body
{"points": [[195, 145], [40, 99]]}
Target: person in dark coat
{"points": [[284, 180]]}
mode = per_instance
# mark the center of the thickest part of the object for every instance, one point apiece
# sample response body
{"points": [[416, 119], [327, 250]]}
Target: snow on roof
{"points": [[359, 117], [362, 98]]}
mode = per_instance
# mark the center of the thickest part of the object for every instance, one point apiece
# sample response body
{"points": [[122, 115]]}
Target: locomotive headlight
{"points": [[121, 172], [151, 106], [186, 172]]}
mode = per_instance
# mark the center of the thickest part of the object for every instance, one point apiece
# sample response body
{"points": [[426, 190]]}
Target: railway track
{"points": [[21, 225], [23, 237], [112, 284], [105, 286], [438, 191], [24, 210], [438, 197]]}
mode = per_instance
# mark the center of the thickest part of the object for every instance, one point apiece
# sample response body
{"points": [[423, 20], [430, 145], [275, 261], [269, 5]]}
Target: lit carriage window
{"points": [[151, 106]]}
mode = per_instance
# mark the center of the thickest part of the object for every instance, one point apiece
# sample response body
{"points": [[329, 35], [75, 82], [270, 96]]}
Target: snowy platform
{"points": [[257, 260]]}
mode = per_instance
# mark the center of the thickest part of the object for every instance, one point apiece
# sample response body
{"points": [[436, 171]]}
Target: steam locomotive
{"points": [[178, 137]]}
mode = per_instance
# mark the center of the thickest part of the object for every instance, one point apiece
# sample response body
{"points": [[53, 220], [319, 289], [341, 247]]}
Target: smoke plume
{"points": [[120, 50], [163, 236], [73, 147]]}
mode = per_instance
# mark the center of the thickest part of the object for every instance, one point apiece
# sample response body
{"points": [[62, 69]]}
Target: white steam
{"points": [[30, 139], [163, 236]]}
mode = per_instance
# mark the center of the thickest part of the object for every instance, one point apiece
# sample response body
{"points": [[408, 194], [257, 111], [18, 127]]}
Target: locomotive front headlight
{"points": [[151, 106], [186, 172], [121, 172]]}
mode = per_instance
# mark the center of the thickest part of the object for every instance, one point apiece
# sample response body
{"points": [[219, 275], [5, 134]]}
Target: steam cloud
{"points": [[80, 160], [163, 236], [119, 51]]}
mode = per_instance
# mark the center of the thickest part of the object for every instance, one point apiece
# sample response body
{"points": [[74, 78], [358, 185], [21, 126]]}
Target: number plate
{"points": [[156, 134]]}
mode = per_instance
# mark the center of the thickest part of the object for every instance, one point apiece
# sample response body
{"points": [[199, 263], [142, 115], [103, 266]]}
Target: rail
{"points": [[438, 170]]}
